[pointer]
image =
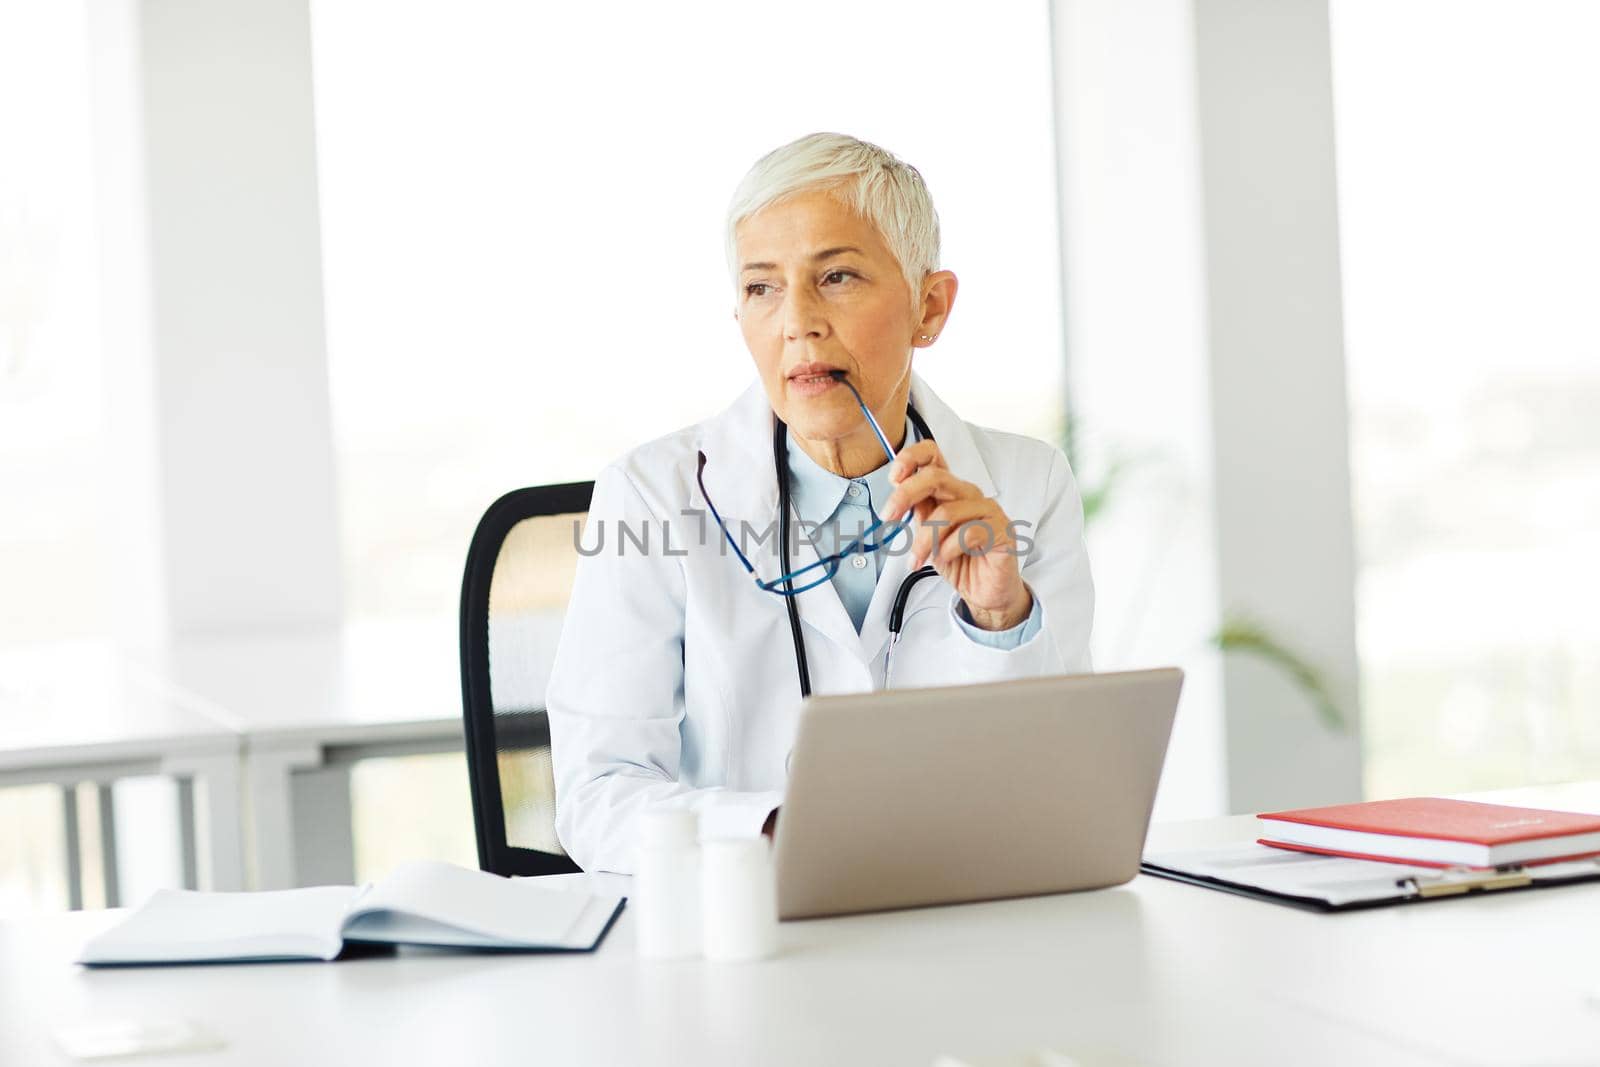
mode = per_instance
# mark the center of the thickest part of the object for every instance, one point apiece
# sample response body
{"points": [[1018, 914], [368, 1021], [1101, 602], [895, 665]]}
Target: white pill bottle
{"points": [[666, 885], [739, 900]]}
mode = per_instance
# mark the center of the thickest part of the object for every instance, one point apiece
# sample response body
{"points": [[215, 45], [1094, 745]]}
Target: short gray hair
{"points": [[872, 182]]}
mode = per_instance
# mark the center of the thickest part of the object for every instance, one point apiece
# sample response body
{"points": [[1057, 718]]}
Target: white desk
{"points": [[83, 712], [1149, 973]]}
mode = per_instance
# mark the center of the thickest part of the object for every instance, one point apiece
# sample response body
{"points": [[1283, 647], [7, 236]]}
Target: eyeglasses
{"points": [[872, 539]]}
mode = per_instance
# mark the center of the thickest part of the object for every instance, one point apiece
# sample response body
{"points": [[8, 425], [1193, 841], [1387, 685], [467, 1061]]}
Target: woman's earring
{"points": [[925, 337]]}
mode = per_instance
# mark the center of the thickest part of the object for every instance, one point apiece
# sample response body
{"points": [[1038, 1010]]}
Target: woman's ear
{"points": [[938, 297]]}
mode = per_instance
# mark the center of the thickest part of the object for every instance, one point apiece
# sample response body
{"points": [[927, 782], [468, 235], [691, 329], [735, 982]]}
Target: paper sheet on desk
{"points": [[1336, 880], [1333, 879]]}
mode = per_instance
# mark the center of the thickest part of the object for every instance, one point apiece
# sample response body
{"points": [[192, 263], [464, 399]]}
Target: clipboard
{"points": [[1318, 883]]}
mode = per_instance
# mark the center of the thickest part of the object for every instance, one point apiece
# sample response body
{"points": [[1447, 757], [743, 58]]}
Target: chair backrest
{"points": [[518, 577]]}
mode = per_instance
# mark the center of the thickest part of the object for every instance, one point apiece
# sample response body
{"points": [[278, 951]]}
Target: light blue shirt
{"points": [[839, 509]]}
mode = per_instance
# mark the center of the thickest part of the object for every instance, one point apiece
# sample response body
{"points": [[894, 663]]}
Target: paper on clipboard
{"points": [[1339, 882]]}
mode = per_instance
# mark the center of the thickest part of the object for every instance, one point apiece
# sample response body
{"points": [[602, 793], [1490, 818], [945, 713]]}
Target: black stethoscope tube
{"points": [[780, 461]]}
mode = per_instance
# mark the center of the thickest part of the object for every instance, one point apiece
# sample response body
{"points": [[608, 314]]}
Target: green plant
{"points": [[1246, 637]]}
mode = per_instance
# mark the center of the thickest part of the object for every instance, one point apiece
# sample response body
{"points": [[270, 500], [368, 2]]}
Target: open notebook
{"points": [[419, 904]]}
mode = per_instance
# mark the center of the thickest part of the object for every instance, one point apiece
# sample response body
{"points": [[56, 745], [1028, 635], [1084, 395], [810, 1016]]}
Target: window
{"points": [[1468, 160], [522, 223], [51, 407]]}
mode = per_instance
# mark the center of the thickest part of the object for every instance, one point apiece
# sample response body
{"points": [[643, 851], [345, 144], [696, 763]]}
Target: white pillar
{"points": [[223, 507], [1135, 314], [1204, 346], [214, 323], [1279, 414]]}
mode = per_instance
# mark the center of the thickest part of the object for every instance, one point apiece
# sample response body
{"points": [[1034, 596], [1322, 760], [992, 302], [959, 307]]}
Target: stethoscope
{"points": [[780, 461]]}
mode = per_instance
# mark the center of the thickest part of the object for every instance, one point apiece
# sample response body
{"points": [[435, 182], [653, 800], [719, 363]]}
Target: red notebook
{"points": [[1434, 832]]}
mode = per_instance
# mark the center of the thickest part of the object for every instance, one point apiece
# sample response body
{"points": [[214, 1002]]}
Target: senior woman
{"points": [[920, 549]]}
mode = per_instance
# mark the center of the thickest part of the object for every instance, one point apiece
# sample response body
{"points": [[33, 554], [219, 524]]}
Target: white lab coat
{"points": [[675, 678]]}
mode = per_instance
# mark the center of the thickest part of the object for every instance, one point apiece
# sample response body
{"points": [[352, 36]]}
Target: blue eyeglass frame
{"points": [[791, 584]]}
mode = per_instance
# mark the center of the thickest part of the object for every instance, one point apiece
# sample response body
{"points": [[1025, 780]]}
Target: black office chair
{"points": [[519, 574]]}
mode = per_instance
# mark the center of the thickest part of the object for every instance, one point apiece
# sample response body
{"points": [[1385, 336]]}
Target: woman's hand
{"points": [[964, 534]]}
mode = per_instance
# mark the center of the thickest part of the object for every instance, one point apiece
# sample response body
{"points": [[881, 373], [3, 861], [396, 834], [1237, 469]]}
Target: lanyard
{"points": [[780, 460]]}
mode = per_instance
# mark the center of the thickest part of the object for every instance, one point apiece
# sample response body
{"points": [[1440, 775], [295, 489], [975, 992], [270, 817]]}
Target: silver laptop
{"points": [[910, 797]]}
